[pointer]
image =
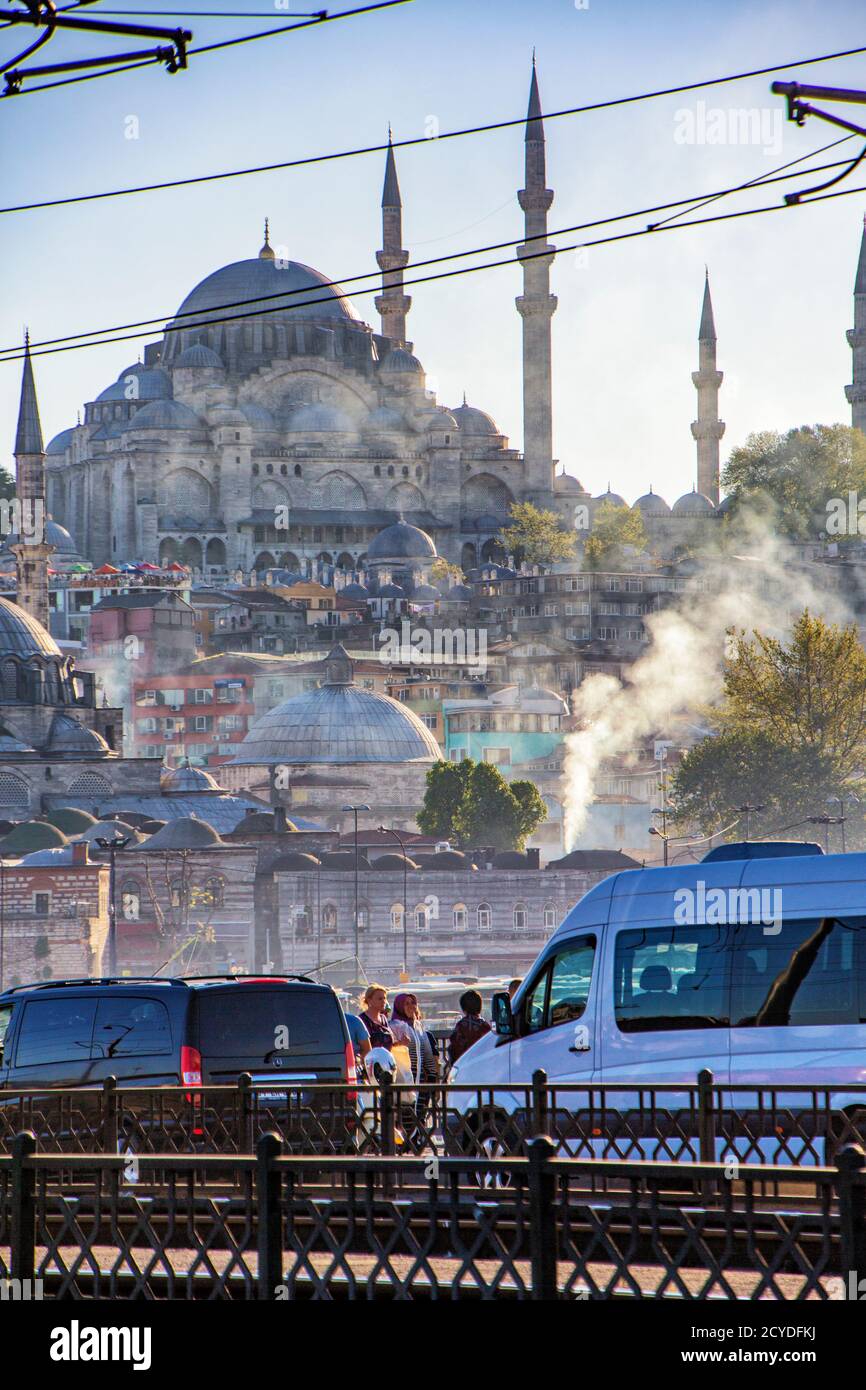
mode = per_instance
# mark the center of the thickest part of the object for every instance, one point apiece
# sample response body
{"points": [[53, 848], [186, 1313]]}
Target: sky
{"points": [[625, 332]]}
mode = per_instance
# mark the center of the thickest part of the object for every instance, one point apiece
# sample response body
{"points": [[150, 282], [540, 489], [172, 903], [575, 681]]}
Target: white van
{"points": [[753, 967]]}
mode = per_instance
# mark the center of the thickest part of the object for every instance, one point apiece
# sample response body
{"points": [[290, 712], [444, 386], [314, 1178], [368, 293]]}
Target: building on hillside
{"points": [[55, 915]]}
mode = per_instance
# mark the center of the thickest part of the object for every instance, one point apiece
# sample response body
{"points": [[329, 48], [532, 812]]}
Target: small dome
{"points": [[448, 859], [474, 421], [165, 415], [459, 593], [344, 859], [612, 497], [725, 505], [564, 482], [295, 861], [390, 591], [355, 591], [56, 536], [321, 417], [510, 859], [391, 862], [652, 505], [108, 830], [31, 835], [49, 858], [384, 418], [68, 736], [425, 593], [178, 781], [21, 635], [197, 355], [187, 832], [399, 360], [60, 443], [257, 415], [439, 419], [150, 384], [693, 504], [401, 541]]}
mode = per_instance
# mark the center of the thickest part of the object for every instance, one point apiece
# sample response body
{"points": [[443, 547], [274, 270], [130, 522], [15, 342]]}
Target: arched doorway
{"points": [[492, 550], [290, 561], [468, 556], [215, 554], [264, 561], [168, 551], [345, 561], [190, 553]]}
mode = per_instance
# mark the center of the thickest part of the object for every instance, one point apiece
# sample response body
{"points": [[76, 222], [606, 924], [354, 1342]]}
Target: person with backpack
{"points": [[469, 1028]]}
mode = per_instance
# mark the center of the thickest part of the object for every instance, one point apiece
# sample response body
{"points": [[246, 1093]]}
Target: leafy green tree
{"points": [[442, 569], [614, 528], [532, 810], [443, 797], [536, 536], [7, 484], [792, 479]]}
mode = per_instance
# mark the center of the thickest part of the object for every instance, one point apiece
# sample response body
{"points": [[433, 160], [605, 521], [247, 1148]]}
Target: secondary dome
{"points": [[322, 417], [55, 535], [21, 635], [68, 736], [474, 421], [612, 497], [164, 415], [338, 723], [60, 443], [138, 383], [401, 541], [198, 355], [178, 781], [257, 415], [399, 360], [31, 835], [70, 820], [652, 505], [187, 832], [693, 504]]}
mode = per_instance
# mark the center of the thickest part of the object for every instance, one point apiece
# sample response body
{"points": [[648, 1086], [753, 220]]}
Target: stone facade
{"points": [[55, 920]]}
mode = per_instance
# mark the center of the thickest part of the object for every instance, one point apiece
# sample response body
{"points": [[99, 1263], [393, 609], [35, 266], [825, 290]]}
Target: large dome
{"points": [[338, 723], [308, 293], [401, 541], [22, 635]]}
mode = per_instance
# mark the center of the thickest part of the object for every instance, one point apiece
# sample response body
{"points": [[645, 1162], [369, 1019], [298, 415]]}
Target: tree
{"points": [[614, 528], [7, 484], [536, 536], [442, 571], [726, 771], [532, 808], [794, 478], [446, 788], [810, 693]]}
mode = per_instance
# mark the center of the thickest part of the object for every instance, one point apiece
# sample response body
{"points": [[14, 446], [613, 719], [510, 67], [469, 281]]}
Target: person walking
{"points": [[360, 1040], [469, 1028], [408, 1027], [374, 1016]]}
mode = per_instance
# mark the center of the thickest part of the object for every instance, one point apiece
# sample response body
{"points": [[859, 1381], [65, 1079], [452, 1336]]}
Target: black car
{"points": [[197, 1033]]}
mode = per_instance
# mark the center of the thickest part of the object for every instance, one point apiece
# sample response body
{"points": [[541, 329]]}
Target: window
{"points": [[560, 993], [520, 916], [131, 1027], [501, 756], [176, 892], [422, 919], [42, 904], [397, 917], [5, 1015], [203, 697], [130, 901], [55, 1030], [429, 721], [201, 723], [549, 916], [485, 917], [668, 978], [812, 974], [329, 917], [213, 892], [460, 917]]}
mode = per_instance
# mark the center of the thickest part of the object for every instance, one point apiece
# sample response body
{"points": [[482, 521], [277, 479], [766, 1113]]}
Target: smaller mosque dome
{"points": [[70, 819], [355, 591], [197, 355], [384, 418], [165, 415], [151, 384], [321, 417], [68, 736], [21, 635], [425, 593], [108, 830], [438, 419], [725, 505], [187, 832], [31, 835], [399, 360], [612, 497], [652, 505], [693, 504], [402, 541], [393, 861], [474, 421], [564, 482], [60, 443], [55, 535], [459, 593], [294, 861], [390, 591], [257, 415], [178, 781]]}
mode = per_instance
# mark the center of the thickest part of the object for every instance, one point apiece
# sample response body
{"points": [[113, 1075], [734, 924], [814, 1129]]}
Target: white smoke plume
{"points": [[680, 673]]}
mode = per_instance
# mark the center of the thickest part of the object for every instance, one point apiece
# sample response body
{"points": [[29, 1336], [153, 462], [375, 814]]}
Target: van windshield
{"points": [[255, 1024]]}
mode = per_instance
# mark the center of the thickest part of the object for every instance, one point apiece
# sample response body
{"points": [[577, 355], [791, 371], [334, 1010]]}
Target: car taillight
{"points": [[190, 1066], [351, 1071]]}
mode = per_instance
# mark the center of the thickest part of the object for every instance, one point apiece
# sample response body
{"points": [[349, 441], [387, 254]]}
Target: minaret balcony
{"points": [[530, 307], [535, 199], [705, 378], [708, 429]]}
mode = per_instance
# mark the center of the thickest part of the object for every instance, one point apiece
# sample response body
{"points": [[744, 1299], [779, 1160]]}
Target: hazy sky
{"points": [[624, 336]]}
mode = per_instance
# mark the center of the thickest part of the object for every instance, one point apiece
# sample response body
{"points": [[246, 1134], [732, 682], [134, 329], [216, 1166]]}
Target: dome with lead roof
{"points": [[474, 421], [693, 504], [138, 383], [164, 415], [402, 541], [652, 505]]}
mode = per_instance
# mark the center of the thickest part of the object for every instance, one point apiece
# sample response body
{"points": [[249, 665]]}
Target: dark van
{"points": [[195, 1032]]}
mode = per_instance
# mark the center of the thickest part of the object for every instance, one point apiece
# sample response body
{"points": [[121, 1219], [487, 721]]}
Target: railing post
{"points": [[270, 1216], [542, 1218], [388, 1123], [851, 1192], [110, 1125], [245, 1129], [706, 1118], [22, 1235], [539, 1102]]}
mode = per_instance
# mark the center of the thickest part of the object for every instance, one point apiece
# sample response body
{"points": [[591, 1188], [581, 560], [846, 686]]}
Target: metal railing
{"points": [[271, 1226]]}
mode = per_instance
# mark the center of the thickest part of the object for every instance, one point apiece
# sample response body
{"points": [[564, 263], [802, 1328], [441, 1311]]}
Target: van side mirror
{"points": [[503, 1018]]}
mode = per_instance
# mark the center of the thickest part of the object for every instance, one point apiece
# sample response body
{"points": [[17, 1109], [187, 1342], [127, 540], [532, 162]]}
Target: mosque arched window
{"points": [[422, 917], [213, 893], [485, 917], [283, 470], [269, 468], [297, 470], [255, 470], [397, 917], [521, 917], [90, 784], [460, 917], [377, 472], [390, 470], [130, 900], [405, 471], [14, 792], [329, 917]]}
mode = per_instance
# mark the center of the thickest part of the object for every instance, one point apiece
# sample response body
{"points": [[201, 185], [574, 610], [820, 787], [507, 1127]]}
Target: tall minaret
{"points": [[392, 304], [536, 305], [856, 392], [30, 550], [708, 428]]}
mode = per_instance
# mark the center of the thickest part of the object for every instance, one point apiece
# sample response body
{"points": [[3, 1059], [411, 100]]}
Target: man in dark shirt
{"points": [[470, 1027]]}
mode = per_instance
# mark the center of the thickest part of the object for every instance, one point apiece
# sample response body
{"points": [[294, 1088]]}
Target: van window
{"points": [[671, 978], [561, 991], [244, 1023], [809, 974], [131, 1027], [5, 1015], [55, 1030]]}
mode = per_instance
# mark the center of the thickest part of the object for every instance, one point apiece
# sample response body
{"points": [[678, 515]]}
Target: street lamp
{"points": [[654, 830], [112, 846], [385, 829], [355, 810], [748, 811]]}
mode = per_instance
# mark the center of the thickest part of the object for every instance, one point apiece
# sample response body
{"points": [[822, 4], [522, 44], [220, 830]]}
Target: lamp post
{"points": [[112, 846], [404, 975], [748, 811], [355, 810]]}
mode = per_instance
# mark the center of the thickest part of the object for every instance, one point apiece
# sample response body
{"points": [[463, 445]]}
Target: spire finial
{"points": [[464, 397], [267, 251]]}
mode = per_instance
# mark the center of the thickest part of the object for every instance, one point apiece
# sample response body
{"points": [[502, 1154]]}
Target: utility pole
{"points": [[112, 846], [355, 810], [799, 109], [748, 811], [404, 974]]}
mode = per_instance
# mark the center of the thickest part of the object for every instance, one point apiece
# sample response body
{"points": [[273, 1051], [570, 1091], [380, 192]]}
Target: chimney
{"points": [[533, 859], [79, 853]]}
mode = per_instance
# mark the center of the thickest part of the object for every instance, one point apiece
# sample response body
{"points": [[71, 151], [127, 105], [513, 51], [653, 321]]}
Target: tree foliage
{"points": [[442, 569], [614, 528], [791, 479], [536, 536], [471, 803]]}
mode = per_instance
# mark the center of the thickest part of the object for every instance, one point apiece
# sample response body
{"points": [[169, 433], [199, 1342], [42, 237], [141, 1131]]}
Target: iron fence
{"points": [[800, 1126], [272, 1226]]}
